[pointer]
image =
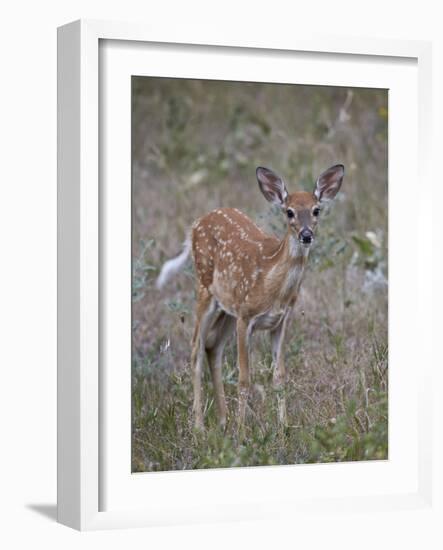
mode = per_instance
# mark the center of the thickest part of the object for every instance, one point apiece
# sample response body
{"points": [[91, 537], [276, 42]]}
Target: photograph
{"points": [[259, 274]]}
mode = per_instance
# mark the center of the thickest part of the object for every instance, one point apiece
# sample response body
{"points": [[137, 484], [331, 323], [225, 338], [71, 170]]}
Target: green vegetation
{"points": [[196, 145]]}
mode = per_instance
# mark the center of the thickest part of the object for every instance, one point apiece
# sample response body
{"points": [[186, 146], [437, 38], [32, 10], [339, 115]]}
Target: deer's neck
{"points": [[290, 252], [286, 267]]}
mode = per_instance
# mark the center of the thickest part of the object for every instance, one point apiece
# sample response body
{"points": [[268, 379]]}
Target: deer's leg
{"points": [[204, 314], [219, 335], [278, 358], [243, 365]]}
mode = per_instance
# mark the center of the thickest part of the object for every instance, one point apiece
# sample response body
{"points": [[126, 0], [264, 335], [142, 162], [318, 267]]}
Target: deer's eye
{"points": [[290, 213], [316, 212]]}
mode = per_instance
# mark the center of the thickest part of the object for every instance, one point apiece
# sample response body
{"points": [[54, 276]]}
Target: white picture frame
{"points": [[81, 413]]}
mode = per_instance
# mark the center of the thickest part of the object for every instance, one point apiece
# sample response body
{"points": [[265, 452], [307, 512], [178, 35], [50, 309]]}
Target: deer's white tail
{"points": [[174, 265]]}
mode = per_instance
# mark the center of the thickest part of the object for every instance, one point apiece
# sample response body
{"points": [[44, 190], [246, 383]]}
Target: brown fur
{"points": [[248, 280], [243, 273]]}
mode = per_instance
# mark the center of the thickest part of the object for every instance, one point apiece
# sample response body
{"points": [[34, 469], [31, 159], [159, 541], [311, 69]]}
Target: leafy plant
{"points": [[141, 272]]}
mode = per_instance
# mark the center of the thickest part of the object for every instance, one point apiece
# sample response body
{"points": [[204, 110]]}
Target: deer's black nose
{"points": [[306, 236]]}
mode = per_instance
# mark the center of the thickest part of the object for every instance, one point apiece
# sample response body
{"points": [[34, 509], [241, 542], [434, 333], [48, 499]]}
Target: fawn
{"points": [[248, 280]]}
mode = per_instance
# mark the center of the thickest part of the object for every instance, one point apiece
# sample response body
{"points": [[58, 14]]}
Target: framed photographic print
{"points": [[242, 302]]}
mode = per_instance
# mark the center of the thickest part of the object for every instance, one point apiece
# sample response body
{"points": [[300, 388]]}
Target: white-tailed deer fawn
{"points": [[248, 280]]}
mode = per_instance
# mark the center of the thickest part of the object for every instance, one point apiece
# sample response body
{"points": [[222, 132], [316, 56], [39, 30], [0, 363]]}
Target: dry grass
{"points": [[195, 147]]}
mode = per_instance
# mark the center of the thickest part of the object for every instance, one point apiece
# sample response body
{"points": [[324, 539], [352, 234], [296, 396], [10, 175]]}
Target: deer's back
{"points": [[229, 252]]}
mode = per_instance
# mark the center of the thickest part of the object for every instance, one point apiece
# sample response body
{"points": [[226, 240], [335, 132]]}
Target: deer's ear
{"points": [[329, 182], [272, 186]]}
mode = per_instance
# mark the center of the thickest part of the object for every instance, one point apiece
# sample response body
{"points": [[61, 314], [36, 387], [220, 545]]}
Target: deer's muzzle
{"points": [[306, 236]]}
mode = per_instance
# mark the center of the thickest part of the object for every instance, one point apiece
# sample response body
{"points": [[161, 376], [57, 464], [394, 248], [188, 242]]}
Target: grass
{"points": [[195, 147]]}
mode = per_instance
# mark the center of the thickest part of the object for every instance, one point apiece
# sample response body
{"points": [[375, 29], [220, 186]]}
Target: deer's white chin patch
{"points": [[297, 248]]}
